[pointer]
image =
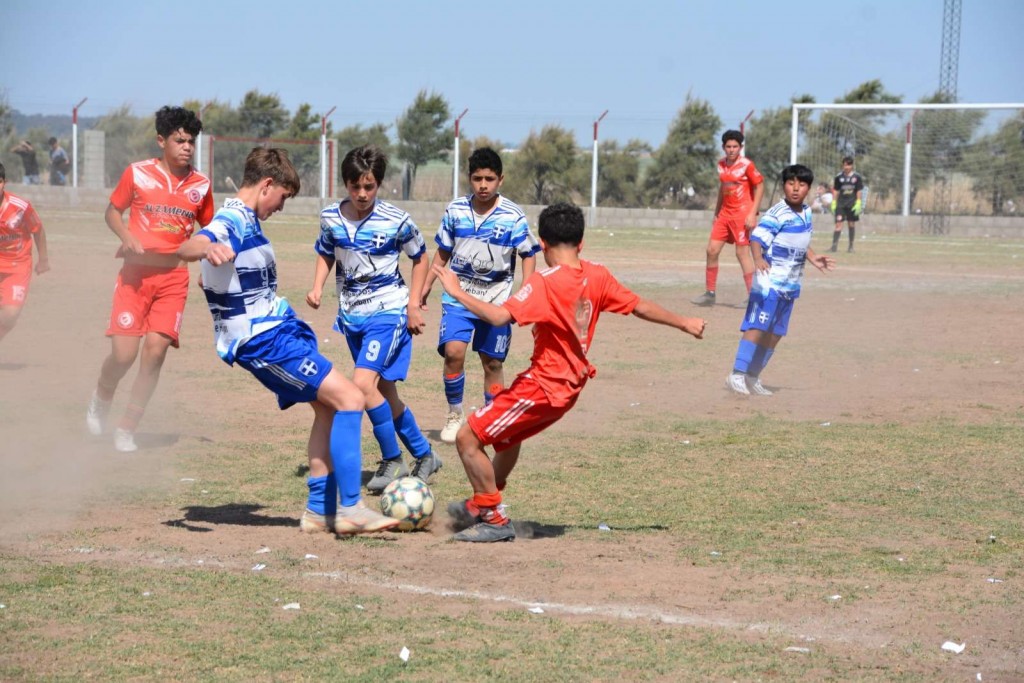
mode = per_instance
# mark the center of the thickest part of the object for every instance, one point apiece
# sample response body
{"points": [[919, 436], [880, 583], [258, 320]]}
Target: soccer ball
{"points": [[409, 500]]}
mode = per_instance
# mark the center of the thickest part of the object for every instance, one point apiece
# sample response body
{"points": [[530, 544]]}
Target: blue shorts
{"points": [[285, 360], [382, 343], [458, 324], [768, 313]]}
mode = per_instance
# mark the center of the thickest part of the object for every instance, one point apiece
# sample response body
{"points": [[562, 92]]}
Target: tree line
{"points": [[549, 165]]}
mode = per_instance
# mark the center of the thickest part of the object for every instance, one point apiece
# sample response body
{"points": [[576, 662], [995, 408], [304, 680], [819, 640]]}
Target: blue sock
{"points": [[411, 435], [744, 355], [488, 398], [323, 494], [761, 358], [346, 454], [384, 431], [454, 388]]}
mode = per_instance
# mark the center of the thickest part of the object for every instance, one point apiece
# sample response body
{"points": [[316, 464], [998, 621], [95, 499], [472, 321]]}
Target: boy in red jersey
{"points": [[19, 226], [739, 196], [563, 303], [166, 197]]}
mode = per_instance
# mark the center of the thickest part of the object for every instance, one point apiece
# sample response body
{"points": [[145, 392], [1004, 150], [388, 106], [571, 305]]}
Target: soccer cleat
{"points": [[462, 515], [359, 519], [96, 415], [757, 388], [850, 249], [737, 382], [705, 299], [451, 427], [124, 441], [425, 467], [312, 522], [487, 533], [833, 249], [387, 472]]}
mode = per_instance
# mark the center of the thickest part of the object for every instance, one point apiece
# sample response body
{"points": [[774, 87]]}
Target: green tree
{"points": [[768, 142], [261, 115], [997, 163], [128, 138], [422, 135], [618, 173], [856, 139], [683, 172], [541, 169]]}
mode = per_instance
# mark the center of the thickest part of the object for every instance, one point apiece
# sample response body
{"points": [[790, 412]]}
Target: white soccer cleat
{"points": [[757, 388], [124, 441], [451, 426], [737, 382], [96, 415]]}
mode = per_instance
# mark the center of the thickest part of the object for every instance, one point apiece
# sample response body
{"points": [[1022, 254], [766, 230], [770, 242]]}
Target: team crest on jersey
{"points": [[379, 239], [194, 196], [500, 230], [308, 367], [125, 320]]}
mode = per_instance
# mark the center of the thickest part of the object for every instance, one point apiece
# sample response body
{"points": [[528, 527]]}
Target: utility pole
{"points": [[937, 221]]}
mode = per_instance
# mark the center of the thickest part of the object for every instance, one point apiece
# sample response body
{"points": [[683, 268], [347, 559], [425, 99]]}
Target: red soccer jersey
{"points": [[563, 305], [18, 221], [163, 207], [738, 183]]}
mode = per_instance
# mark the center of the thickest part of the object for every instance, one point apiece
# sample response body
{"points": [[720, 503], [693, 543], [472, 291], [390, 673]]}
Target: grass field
{"points": [[843, 529]]}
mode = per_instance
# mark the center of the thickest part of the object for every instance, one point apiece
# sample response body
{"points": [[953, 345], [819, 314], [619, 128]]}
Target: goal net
{"points": [[224, 161], [930, 160]]}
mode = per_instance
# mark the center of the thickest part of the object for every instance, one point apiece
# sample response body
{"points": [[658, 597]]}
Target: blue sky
{"points": [[516, 65]]}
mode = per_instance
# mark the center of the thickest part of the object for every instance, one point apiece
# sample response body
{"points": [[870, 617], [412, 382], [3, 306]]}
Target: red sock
{"points": [[711, 278], [749, 279], [491, 509]]}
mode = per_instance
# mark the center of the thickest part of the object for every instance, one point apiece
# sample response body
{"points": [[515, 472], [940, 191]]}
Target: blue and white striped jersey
{"points": [[484, 255], [784, 236], [366, 259], [242, 294]]}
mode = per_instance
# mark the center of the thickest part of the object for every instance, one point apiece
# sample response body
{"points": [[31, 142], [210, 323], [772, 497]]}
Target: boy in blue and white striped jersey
{"points": [[259, 331], [479, 238], [364, 238], [780, 245]]}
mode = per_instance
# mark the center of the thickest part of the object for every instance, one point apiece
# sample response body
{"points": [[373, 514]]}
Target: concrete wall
{"points": [[94, 152], [428, 214]]}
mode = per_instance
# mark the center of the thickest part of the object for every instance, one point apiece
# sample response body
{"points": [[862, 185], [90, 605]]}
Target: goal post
{"points": [[314, 160], [928, 159]]}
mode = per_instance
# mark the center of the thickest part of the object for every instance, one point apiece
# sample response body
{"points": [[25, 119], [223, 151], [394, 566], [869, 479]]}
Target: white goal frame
{"points": [[908, 152]]}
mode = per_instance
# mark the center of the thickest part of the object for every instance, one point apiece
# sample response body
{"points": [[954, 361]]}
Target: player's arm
{"points": [[529, 265], [819, 261], [441, 257], [320, 273], [200, 246], [495, 315], [115, 221], [757, 251], [721, 197], [420, 267], [43, 260], [656, 313]]}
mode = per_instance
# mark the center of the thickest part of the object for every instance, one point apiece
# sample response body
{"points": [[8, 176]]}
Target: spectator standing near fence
{"points": [[27, 152], [60, 164], [166, 197]]}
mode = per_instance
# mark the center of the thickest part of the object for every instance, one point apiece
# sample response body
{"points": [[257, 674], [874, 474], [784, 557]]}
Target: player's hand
{"points": [[218, 254], [823, 262], [833, 205], [42, 265], [424, 295], [313, 297], [857, 208], [695, 327], [415, 324], [449, 280], [750, 222], [762, 266], [132, 245]]}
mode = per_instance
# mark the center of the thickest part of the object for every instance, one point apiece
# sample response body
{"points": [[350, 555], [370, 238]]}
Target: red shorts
{"points": [[148, 299], [729, 227], [14, 286], [516, 414]]}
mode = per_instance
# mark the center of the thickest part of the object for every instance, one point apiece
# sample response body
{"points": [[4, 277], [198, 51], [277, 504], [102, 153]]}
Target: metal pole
{"points": [[743, 123], [906, 167], [74, 142], [323, 154], [199, 140], [793, 133], [455, 172], [593, 173]]}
